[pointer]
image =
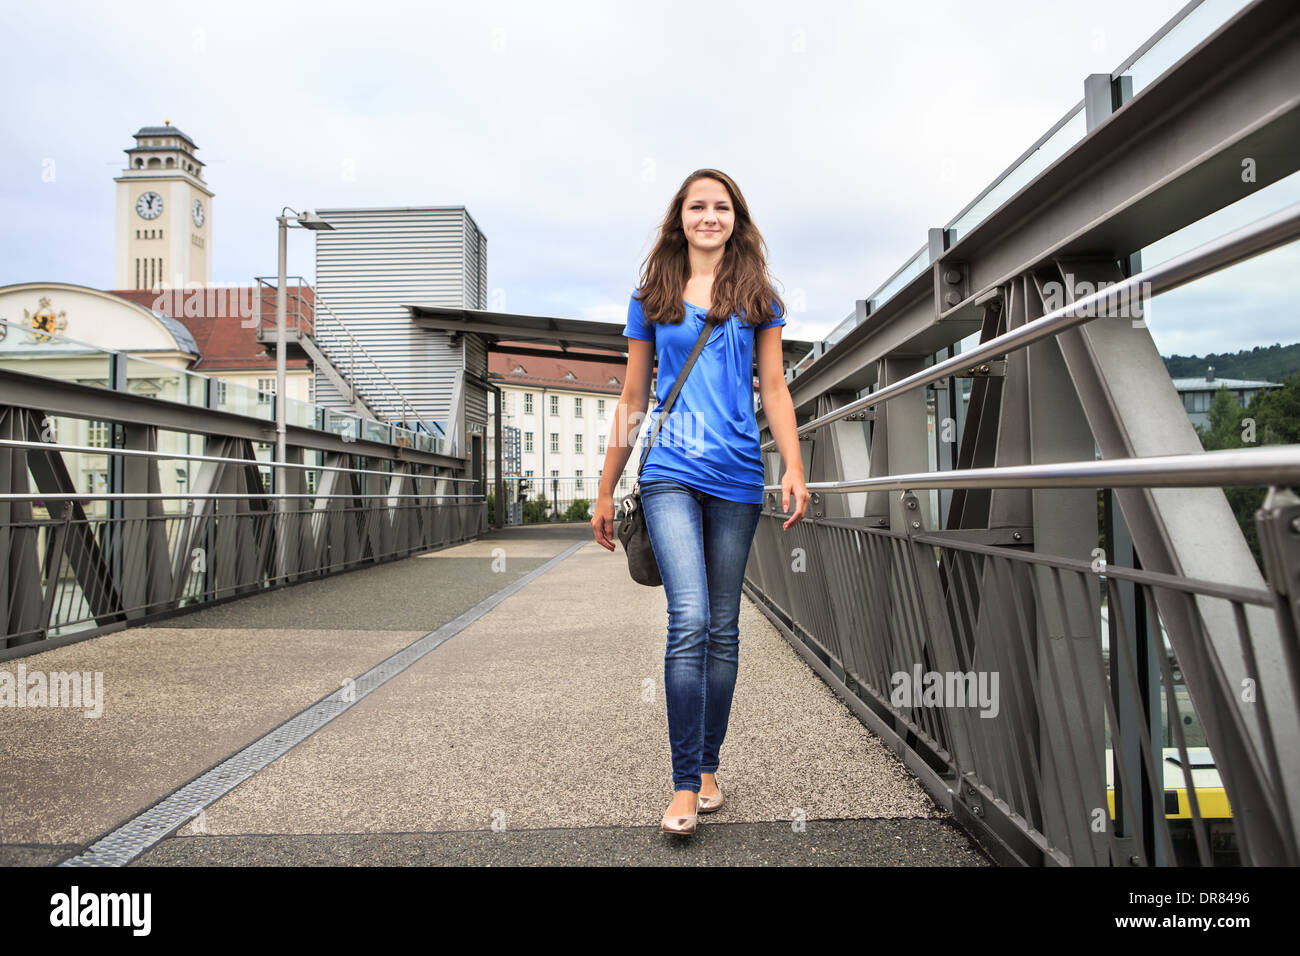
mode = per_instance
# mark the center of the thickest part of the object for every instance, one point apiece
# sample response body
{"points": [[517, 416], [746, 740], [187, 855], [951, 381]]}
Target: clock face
{"points": [[197, 212], [149, 205]]}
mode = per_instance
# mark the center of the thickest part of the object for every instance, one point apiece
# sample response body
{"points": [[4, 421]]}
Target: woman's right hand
{"points": [[603, 521]]}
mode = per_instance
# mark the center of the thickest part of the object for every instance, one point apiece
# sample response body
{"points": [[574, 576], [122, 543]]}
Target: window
{"points": [[600, 408], [265, 389], [554, 473], [600, 444], [311, 481], [622, 482], [577, 443], [97, 435], [577, 406], [555, 404], [528, 473], [577, 485], [555, 443], [528, 403], [96, 482], [528, 441], [221, 391]]}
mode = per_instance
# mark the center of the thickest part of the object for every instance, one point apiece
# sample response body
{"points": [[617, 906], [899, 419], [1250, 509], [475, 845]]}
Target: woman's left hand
{"points": [[792, 485]]}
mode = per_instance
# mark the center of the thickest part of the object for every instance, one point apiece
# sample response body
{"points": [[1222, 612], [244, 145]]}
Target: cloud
{"points": [[563, 127]]}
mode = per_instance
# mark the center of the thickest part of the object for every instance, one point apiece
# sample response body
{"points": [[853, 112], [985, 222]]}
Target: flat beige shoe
{"points": [[709, 804], [682, 825]]}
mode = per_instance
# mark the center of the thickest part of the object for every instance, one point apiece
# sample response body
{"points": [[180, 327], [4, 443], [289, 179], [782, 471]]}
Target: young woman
{"points": [[702, 484]]}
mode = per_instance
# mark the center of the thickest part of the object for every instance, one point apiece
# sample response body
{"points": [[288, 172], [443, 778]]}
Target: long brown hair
{"points": [[741, 283]]}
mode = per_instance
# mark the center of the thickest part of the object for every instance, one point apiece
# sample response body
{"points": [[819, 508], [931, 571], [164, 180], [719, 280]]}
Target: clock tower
{"points": [[164, 213]]}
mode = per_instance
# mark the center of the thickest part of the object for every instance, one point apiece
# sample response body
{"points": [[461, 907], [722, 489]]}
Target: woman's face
{"points": [[707, 215]]}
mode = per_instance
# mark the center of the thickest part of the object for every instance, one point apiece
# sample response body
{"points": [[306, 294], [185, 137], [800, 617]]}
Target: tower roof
{"points": [[168, 130]]}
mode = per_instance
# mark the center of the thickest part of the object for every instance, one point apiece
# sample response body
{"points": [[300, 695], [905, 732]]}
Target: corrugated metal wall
{"points": [[372, 263], [476, 397]]}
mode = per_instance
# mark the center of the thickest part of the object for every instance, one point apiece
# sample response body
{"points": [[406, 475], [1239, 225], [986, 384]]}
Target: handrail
{"points": [[1245, 467], [1261, 597], [1250, 240], [181, 456]]}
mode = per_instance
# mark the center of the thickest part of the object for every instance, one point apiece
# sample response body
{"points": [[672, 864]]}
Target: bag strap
{"points": [[677, 387]]}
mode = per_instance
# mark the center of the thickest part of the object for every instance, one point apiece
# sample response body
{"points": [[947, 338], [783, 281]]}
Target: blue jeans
{"points": [[701, 544]]}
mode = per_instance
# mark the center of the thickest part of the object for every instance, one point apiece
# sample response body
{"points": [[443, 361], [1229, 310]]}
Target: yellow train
{"points": [[1211, 801]]}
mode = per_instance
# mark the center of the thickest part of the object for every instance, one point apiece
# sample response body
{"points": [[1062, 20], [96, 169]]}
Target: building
{"points": [[1198, 393], [369, 268], [562, 407], [164, 213]]}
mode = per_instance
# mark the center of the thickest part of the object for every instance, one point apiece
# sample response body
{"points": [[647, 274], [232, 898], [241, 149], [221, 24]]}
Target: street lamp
{"points": [[306, 220]]}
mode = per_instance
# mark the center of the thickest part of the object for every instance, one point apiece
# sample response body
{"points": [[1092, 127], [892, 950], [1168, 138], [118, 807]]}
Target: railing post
{"points": [[1278, 523]]}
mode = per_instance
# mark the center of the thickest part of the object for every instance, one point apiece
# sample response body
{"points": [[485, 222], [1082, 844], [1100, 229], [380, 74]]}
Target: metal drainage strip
{"points": [[138, 834]]}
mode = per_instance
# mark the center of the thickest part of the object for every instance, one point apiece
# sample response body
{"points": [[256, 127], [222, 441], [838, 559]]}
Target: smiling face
{"points": [[708, 215]]}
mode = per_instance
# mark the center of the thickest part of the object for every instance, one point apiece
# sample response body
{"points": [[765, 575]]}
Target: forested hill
{"points": [[1270, 364]]}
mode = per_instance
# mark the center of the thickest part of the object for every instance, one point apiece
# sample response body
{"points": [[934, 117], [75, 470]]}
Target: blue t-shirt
{"points": [[709, 441]]}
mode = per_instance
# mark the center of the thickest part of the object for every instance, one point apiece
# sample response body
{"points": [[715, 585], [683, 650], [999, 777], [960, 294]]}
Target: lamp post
{"points": [[306, 220]]}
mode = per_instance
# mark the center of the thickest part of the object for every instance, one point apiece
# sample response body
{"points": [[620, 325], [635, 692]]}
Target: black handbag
{"points": [[632, 530]]}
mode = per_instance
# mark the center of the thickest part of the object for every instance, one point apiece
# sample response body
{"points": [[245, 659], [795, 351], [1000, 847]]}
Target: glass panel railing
{"points": [[242, 400], [342, 424], [35, 351], [168, 383], [302, 414], [846, 326], [1177, 42], [32, 351], [1071, 129], [914, 267]]}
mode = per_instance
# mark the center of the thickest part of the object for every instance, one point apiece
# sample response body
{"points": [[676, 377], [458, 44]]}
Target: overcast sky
{"points": [[564, 128]]}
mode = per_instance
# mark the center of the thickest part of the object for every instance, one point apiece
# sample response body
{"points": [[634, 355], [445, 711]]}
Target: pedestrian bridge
{"points": [[495, 701], [1028, 619]]}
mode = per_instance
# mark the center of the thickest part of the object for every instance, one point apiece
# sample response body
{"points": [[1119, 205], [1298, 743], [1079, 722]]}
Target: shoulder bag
{"points": [[632, 530]]}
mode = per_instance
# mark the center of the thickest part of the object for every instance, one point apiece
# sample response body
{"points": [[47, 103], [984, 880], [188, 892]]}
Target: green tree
{"points": [[1224, 427], [579, 510], [1270, 418], [536, 510], [1277, 413]]}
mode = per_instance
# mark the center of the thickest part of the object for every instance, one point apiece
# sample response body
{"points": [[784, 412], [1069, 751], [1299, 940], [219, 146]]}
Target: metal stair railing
{"points": [[312, 323]]}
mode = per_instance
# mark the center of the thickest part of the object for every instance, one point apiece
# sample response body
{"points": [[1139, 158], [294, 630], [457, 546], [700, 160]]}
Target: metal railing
{"points": [[303, 318], [532, 499], [90, 561], [1090, 748], [1140, 711], [1113, 301]]}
